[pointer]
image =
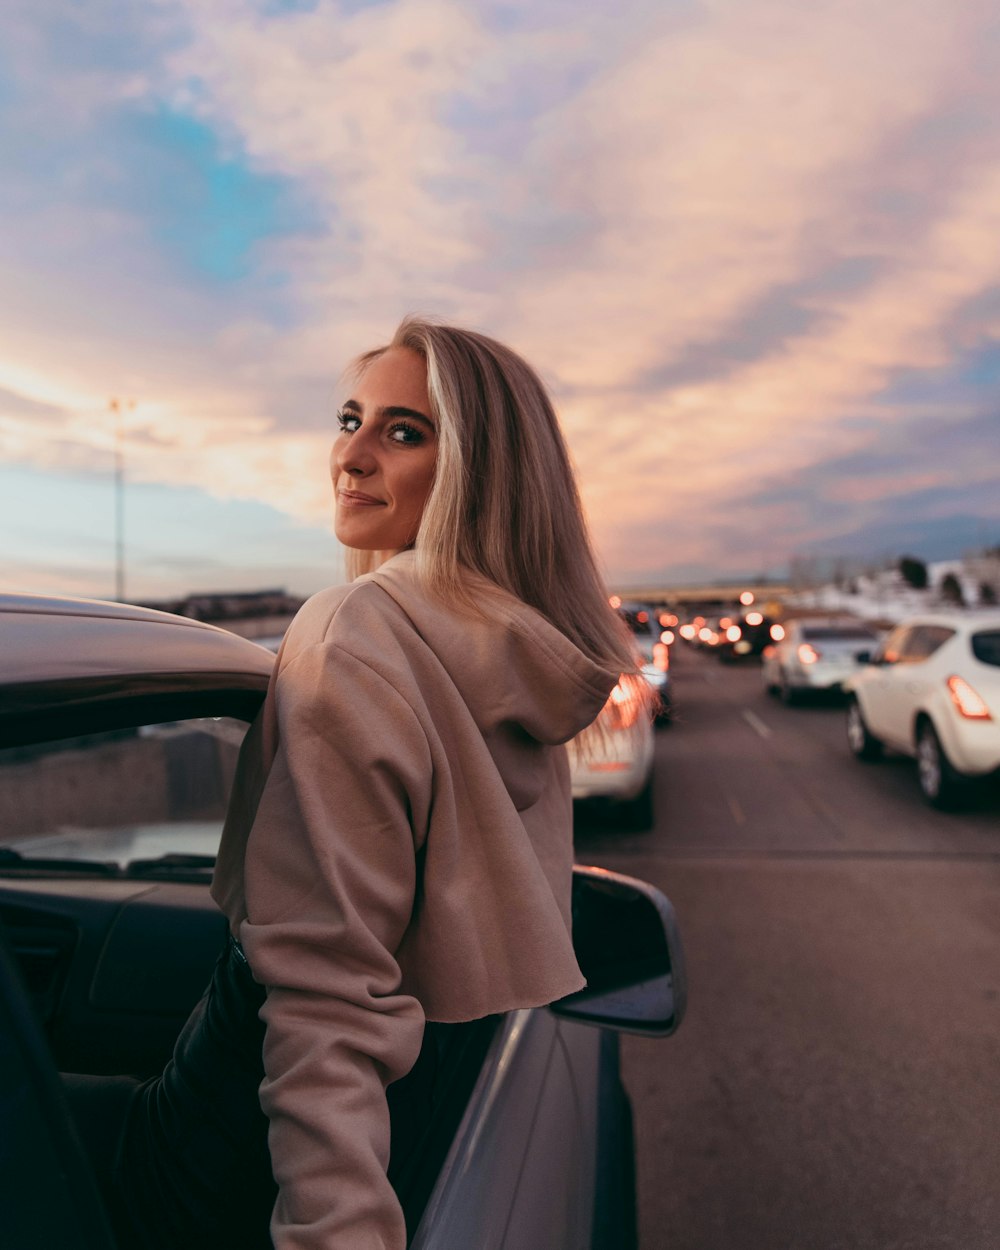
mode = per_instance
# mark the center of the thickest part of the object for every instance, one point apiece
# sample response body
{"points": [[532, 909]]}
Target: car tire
{"points": [[863, 743], [789, 695], [638, 812], [941, 784]]}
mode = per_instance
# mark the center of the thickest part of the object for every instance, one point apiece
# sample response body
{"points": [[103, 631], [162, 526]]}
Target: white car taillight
{"points": [[734, 633], [807, 653], [969, 702], [622, 709]]}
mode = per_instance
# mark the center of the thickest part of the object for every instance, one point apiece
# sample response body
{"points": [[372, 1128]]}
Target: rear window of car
{"points": [[639, 621], [986, 647], [829, 633]]}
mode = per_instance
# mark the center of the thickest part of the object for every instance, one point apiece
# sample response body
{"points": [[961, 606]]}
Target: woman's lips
{"points": [[356, 498]]}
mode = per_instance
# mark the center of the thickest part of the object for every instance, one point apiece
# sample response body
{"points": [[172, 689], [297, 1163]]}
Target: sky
{"points": [[752, 246]]}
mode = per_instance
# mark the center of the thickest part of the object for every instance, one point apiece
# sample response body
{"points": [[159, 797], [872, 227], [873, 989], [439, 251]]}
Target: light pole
{"points": [[119, 408]]}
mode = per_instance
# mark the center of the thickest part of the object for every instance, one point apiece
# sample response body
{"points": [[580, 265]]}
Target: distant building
{"points": [[231, 605]]}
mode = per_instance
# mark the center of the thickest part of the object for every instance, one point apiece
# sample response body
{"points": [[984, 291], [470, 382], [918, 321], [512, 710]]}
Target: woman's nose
{"points": [[352, 455]]}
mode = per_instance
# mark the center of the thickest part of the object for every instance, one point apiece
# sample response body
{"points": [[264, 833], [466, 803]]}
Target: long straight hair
{"points": [[504, 500]]}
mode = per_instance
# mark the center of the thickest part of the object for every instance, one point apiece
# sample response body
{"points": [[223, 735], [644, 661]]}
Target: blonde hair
{"points": [[504, 500]]}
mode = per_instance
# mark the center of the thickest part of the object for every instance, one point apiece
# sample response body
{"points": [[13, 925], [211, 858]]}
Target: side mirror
{"points": [[628, 947]]}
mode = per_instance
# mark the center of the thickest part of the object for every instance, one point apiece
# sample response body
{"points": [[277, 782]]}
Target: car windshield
{"points": [[986, 646], [156, 792]]}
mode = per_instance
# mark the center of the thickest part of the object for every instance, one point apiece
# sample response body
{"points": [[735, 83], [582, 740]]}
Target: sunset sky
{"points": [[753, 246]]}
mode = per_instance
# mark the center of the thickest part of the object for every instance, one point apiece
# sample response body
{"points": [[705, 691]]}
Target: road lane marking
{"points": [[737, 811], [755, 723]]}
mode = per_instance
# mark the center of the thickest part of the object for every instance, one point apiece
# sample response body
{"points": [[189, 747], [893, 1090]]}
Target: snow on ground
{"points": [[886, 598]]}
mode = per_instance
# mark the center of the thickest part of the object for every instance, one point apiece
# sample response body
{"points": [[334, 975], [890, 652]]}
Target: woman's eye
{"points": [[403, 432], [348, 421]]}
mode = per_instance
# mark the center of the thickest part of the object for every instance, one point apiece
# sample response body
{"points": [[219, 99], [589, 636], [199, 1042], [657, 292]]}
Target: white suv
{"points": [[932, 690]]}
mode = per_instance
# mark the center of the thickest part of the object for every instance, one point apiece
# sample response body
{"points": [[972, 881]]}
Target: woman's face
{"points": [[382, 461]]}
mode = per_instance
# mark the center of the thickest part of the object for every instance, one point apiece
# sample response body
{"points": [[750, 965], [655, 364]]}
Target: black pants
{"points": [[182, 1158]]}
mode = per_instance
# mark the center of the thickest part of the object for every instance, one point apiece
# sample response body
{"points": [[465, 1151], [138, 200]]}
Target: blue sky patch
{"points": [[207, 206]]}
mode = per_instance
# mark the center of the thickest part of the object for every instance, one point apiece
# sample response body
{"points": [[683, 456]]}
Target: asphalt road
{"points": [[836, 1082]]}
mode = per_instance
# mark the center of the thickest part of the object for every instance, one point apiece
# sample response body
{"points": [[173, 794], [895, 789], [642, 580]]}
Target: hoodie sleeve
{"points": [[330, 883]]}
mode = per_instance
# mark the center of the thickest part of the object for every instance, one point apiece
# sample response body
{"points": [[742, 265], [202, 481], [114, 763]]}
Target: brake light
{"points": [[622, 708], [667, 637], [969, 702], [807, 653], [661, 656], [777, 632], [734, 633]]}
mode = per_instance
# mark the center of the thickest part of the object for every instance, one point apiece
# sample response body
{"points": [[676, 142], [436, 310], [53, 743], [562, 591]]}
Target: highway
{"points": [[836, 1082]]}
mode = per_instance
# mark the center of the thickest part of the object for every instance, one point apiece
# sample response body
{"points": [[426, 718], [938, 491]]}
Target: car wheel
{"points": [[942, 786], [638, 812], [861, 741], [789, 695]]}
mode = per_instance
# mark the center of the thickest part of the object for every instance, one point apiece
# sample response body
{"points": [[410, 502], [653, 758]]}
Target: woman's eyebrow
{"points": [[393, 410]]}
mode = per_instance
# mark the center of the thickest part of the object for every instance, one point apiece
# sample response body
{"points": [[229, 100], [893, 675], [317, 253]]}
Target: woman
{"points": [[398, 847]]}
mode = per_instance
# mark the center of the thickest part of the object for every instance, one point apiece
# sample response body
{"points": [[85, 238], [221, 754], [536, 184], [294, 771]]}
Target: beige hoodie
{"points": [[398, 846]]}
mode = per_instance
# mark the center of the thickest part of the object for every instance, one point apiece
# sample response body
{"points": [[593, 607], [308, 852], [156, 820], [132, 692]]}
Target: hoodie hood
{"points": [[510, 665]]}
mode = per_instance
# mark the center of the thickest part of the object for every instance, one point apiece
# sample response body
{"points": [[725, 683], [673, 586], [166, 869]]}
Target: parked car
{"points": [[611, 764], [931, 689], [813, 655], [119, 728], [654, 653]]}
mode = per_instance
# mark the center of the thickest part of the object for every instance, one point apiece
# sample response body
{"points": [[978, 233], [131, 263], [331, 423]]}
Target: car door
{"points": [[879, 685], [907, 684]]}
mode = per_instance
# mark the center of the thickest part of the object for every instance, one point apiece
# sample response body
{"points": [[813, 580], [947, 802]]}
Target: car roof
{"points": [[67, 663]]}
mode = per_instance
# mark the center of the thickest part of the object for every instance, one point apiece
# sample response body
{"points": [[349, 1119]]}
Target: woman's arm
{"points": [[330, 883]]}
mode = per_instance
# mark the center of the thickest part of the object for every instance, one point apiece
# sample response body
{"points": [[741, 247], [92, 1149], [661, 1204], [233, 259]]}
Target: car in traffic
{"points": [[741, 636], [119, 732], [813, 655], [654, 652], [612, 763], [931, 690]]}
